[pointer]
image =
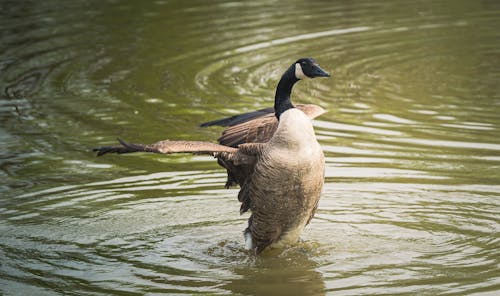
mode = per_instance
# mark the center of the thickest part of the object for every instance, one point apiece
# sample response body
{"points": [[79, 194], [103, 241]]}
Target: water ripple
{"points": [[302, 37], [412, 153]]}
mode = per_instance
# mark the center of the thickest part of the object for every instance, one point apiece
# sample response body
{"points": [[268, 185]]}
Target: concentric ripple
{"points": [[411, 197]]}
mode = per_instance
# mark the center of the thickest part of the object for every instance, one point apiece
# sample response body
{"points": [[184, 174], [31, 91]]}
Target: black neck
{"points": [[282, 98]]}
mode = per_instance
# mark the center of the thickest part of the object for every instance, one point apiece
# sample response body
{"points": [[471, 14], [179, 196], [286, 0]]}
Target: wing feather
{"points": [[166, 147], [256, 127]]}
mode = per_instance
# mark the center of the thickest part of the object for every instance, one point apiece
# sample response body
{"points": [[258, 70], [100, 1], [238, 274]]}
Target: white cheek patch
{"points": [[299, 73]]}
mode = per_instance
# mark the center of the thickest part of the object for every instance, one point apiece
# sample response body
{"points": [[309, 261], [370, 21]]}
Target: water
{"points": [[411, 198]]}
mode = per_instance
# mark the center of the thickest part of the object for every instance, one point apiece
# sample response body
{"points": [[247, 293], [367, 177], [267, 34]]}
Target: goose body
{"points": [[272, 154], [285, 187]]}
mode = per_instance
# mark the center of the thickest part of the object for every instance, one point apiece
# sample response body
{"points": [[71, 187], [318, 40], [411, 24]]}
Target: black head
{"points": [[308, 68]]}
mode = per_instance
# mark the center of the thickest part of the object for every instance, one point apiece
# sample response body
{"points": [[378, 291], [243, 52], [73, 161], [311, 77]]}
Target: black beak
{"points": [[318, 72]]}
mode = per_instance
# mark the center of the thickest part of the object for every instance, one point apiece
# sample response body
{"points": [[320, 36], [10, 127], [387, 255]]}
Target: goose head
{"points": [[308, 68], [302, 69]]}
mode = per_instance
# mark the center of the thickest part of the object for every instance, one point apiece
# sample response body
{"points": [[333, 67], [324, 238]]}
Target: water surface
{"points": [[411, 199]]}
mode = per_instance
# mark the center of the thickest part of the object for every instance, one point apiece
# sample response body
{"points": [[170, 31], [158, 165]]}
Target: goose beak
{"points": [[318, 72]]}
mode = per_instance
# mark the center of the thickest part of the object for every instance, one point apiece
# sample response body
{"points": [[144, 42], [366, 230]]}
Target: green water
{"points": [[411, 200]]}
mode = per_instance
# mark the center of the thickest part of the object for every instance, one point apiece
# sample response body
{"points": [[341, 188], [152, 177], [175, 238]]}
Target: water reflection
{"points": [[291, 272]]}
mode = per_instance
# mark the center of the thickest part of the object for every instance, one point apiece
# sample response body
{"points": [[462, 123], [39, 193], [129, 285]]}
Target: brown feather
{"points": [[167, 147], [260, 129]]}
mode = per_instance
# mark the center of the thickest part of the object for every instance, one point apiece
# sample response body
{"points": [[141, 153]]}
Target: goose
{"points": [[272, 154]]}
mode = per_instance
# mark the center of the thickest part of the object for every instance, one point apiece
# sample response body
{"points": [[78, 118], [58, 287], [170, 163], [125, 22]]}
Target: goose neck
{"points": [[282, 100]]}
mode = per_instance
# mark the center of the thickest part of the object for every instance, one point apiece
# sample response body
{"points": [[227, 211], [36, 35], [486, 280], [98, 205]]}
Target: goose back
{"points": [[257, 126]]}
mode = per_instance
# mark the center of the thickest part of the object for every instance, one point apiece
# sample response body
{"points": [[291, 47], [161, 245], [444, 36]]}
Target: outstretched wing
{"points": [[239, 162], [255, 127], [166, 147]]}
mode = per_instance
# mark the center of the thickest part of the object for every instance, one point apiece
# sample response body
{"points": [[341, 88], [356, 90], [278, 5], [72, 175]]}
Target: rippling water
{"points": [[411, 200]]}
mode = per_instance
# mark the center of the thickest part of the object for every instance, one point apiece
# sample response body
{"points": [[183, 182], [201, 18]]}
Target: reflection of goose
{"points": [[276, 160], [294, 271]]}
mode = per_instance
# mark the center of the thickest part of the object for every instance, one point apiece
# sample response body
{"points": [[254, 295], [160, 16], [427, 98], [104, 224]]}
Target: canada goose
{"points": [[275, 158]]}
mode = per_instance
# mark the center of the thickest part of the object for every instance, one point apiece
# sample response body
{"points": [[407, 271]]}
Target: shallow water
{"points": [[412, 192]]}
